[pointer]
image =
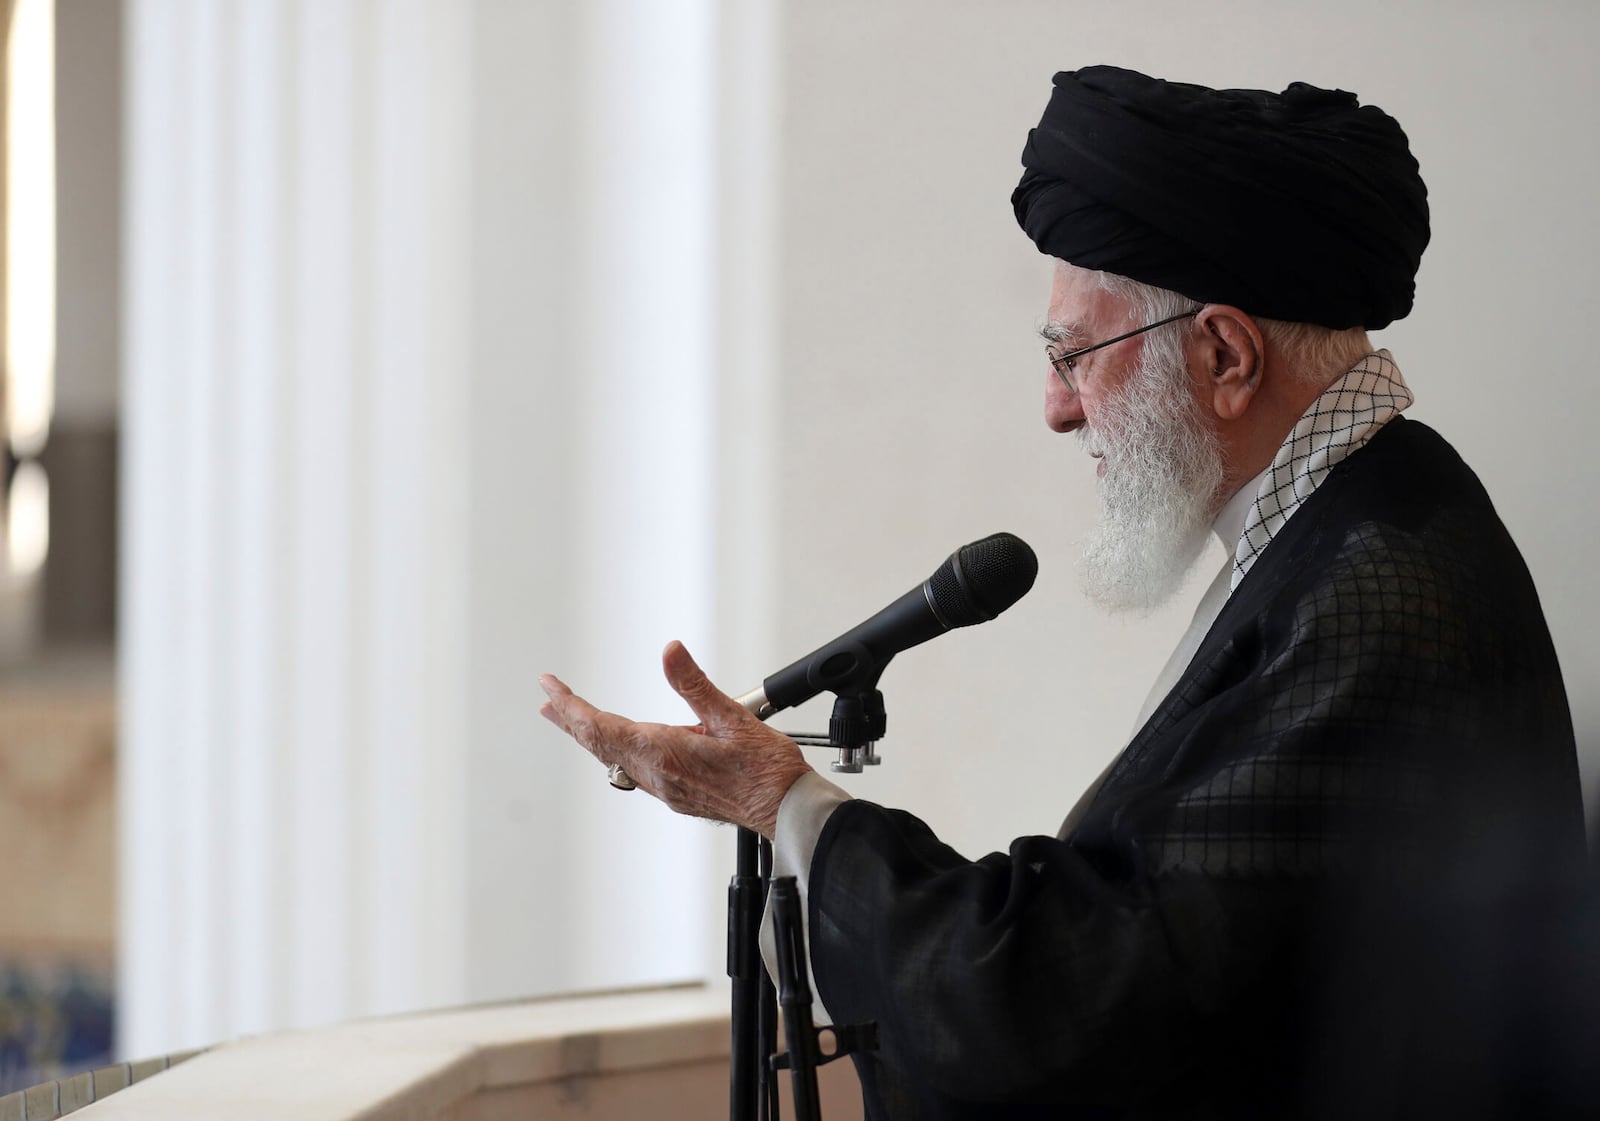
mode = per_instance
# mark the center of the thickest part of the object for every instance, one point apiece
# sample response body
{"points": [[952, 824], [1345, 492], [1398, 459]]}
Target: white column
{"points": [[255, 528], [425, 374], [592, 505], [411, 946], [294, 740], [150, 754], [647, 268]]}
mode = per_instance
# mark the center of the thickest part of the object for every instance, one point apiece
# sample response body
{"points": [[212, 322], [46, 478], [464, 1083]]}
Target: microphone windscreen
{"points": [[982, 579]]}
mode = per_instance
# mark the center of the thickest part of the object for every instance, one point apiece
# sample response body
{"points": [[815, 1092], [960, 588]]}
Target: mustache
{"points": [[1091, 440]]}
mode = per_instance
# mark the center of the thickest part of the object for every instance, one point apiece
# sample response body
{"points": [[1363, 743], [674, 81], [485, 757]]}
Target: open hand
{"points": [[731, 767]]}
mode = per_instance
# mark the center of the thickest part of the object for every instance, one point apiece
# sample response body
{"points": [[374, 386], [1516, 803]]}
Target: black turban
{"points": [[1302, 205]]}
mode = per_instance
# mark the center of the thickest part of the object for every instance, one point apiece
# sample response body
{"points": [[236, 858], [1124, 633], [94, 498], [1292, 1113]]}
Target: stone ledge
{"points": [[659, 1052]]}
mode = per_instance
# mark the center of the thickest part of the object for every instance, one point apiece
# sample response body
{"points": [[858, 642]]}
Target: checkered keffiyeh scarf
{"points": [[1347, 414]]}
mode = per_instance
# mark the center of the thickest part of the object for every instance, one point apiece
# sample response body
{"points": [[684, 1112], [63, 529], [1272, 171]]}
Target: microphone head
{"points": [[981, 580]]}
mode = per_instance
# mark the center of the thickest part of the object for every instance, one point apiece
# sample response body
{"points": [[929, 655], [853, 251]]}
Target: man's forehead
{"points": [[1079, 306]]}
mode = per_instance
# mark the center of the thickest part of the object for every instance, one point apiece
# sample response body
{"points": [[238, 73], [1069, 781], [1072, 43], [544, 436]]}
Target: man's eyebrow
{"points": [[1056, 331]]}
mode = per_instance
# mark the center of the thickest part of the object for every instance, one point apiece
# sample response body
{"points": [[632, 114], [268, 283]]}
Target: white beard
{"points": [[1163, 468]]}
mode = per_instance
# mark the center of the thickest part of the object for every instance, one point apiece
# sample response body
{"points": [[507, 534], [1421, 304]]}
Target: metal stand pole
{"points": [[794, 995], [745, 970], [768, 1006], [858, 722]]}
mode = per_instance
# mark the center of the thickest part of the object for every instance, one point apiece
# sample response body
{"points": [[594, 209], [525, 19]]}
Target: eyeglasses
{"points": [[1062, 363]]}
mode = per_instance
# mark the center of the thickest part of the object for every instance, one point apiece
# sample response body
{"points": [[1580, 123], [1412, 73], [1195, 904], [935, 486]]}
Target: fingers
{"points": [[714, 707], [730, 768], [599, 732], [611, 738]]}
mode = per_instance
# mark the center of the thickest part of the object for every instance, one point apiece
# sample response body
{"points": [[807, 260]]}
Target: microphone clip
{"points": [[857, 724]]}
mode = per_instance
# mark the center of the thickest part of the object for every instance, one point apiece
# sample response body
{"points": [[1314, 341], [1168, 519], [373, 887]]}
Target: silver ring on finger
{"points": [[620, 778]]}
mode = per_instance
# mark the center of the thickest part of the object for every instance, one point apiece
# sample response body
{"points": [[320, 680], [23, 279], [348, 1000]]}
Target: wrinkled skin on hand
{"points": [[730, 767]]}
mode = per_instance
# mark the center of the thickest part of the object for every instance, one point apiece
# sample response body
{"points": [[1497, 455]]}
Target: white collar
{"points": [[1343, 418]]}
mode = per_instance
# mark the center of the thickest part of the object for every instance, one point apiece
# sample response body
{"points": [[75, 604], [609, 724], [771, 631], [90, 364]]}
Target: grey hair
{"points": [[1314, 354]]}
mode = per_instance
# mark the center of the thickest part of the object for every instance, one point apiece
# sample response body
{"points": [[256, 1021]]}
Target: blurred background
{"points": [[365, 358]]}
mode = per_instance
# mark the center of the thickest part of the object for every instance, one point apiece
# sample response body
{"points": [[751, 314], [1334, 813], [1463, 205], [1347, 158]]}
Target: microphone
{"points": [[974, 585]]}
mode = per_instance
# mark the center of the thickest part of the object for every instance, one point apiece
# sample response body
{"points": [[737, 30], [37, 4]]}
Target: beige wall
{"points": [[911, 382], [57, 795], [88, 176]]}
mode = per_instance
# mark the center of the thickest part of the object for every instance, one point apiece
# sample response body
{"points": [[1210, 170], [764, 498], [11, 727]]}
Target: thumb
{"points": [[689, 681]]}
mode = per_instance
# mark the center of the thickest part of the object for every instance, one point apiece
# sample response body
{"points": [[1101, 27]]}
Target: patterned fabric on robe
{"points": [[1331, 877]]}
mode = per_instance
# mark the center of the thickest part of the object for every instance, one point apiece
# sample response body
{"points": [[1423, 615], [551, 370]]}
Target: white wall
{"points": [[912, 383]]}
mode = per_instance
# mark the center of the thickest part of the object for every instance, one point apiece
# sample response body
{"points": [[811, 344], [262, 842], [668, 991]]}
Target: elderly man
{"points": [[1313, 882]]}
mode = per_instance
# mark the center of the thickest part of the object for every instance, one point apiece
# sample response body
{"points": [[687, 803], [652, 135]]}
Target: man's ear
{"points": [[1233, 354]]}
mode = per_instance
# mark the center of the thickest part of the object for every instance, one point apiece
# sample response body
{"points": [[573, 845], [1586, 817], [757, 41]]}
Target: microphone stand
{"points": [[858, 722], [768, 1008], [794, 994], [976, 583], [744, 968], [753, 1094]]}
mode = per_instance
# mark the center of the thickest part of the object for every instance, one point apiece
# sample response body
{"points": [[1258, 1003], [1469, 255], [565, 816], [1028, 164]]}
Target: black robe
{"points": [[1332, 876]]}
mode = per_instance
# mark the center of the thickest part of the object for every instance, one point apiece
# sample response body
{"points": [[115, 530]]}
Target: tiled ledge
{"points": [[659, 1053], [50, 1100]]}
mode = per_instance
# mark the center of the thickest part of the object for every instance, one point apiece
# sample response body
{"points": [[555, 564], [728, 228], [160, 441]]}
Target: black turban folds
{"points": [[1301, 205]]}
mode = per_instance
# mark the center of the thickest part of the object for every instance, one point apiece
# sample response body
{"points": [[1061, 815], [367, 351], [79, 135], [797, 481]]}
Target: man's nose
{"points": [[1063, 409]]}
